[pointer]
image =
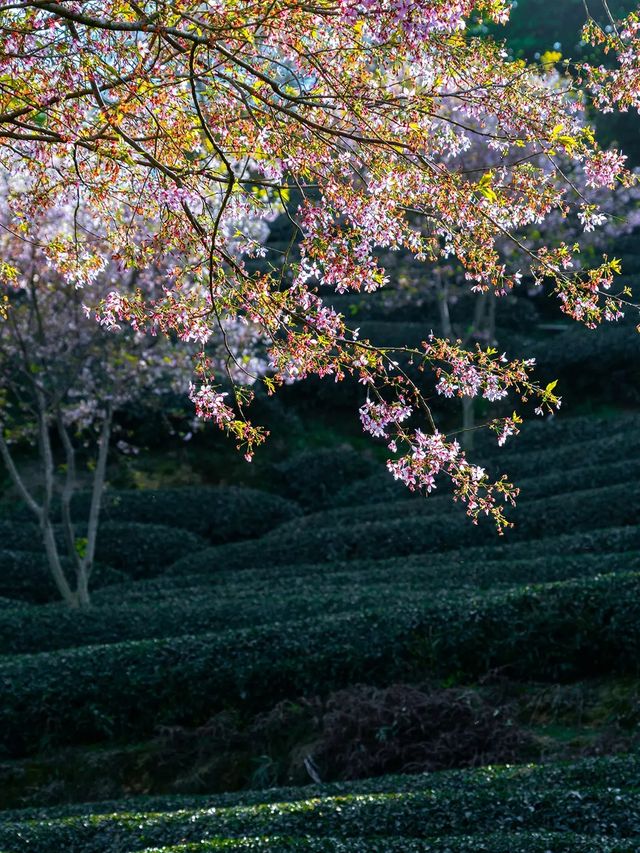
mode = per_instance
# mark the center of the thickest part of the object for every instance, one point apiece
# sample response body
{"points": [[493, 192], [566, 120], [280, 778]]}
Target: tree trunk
{"points": [[42, 513], [86, 564], [82, 589], [59, 577], [67, 492], [443, 306], [49, 539], [468, 423]]}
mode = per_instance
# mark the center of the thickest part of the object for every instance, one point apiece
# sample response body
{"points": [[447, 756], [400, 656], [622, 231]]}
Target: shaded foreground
{"points": [[384, 635], [592, 805]]}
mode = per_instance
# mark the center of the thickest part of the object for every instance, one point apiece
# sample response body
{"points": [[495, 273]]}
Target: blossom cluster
{"points": [[377, 417], [431, 455], [210, 404], [483, 372], [417, 19], [617, 87]]}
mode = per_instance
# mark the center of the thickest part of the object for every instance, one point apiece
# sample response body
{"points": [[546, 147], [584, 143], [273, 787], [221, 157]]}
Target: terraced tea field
{"points": [[589, 806], [239, 606]]}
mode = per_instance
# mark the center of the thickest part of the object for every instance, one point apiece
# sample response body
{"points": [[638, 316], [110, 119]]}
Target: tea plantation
{"points": [[588, 806], [241, 640], [300, 655]]}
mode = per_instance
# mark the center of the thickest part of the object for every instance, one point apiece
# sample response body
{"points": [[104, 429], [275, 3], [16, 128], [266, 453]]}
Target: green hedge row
{"points": [[476, 567], [603, 367], [594, 450], [220, 514], [594, 541], [16, 536], [546, 435], [13, 604], [610, 771], [313, 477], [580, 479], [556, 631], [585, 510], [143, 550], [306, 542], [138, 550], [252, 598], [614, 349], [25, 575], [381, 488], [610, 540], [198, 610], [428, 814], [564, 457], [505, 842], [543, 433], [405, 505]]}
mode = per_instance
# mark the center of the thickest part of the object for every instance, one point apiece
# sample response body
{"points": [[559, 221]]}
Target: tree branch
{"points": [[18, 482]]}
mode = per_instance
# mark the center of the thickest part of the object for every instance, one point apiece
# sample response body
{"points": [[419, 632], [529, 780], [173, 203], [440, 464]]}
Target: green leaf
{"points": [[484, 187]]}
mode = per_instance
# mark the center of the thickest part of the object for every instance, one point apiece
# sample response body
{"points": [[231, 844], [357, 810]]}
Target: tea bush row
{"points": [[588, 452], [220, 514], [137, 550], [504, 842], [556, 631], [310, 477], [25, 575], [543, 433], [142, 550], [475, 567], [381, 488], [611, 771], [565, 456], [243, 600], [198, 610], [577, 444], [427, 814], [305, 543]]}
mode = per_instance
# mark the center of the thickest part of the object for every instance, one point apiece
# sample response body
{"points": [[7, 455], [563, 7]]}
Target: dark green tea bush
{"points": [[556, 631], [163, 608], [25, 575], [376, 539], [218, 513], [496, 813]]}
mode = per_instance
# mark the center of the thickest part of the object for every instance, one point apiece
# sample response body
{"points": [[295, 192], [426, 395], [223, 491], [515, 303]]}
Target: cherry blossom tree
{"points": [[63, 379], [594, 218], [202, 117]]}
